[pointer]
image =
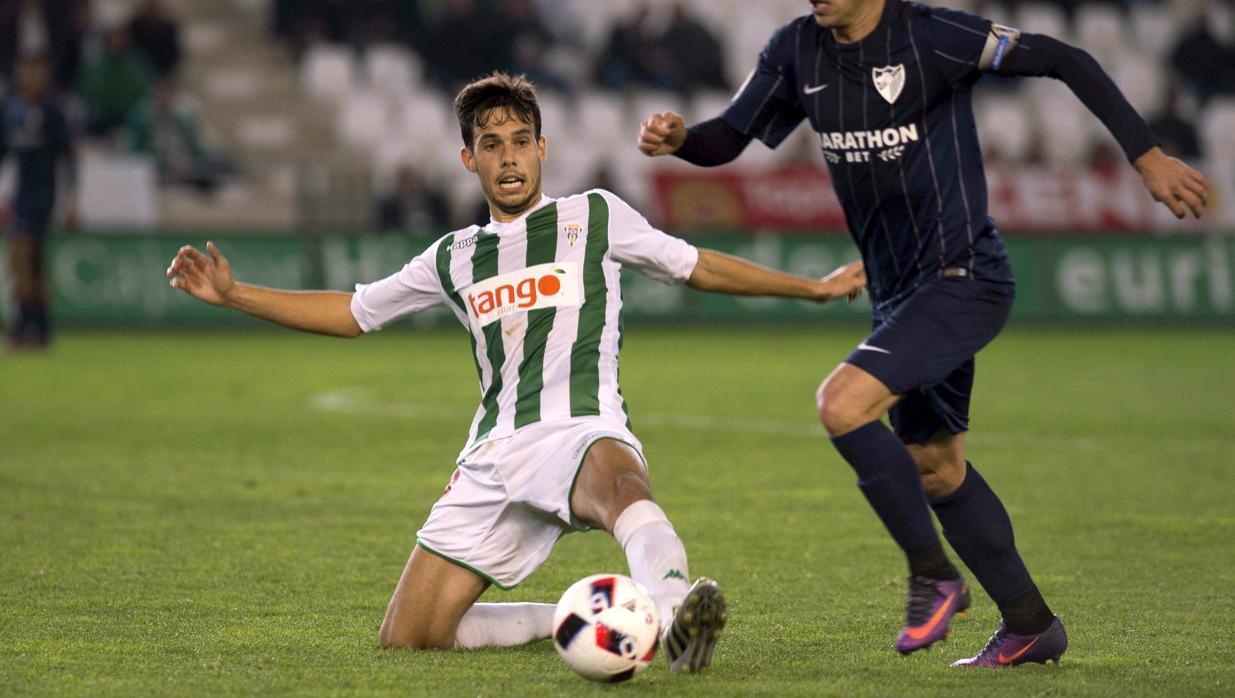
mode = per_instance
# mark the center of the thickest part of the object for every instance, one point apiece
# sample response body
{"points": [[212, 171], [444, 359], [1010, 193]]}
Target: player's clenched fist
{"points": [[662, 134], [205, 278]]}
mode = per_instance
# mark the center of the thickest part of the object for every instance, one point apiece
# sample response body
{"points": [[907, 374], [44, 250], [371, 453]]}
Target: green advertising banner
{"points": [[118, 281]]}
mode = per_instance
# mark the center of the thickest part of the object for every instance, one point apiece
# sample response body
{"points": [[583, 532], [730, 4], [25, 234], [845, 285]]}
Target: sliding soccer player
{"points": [[550, 449], [886, 85]]}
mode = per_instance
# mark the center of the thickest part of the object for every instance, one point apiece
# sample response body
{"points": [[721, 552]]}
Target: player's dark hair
{"points": [[497, 94]]}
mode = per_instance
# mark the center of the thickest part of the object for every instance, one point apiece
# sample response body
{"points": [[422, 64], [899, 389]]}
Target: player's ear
{"points": [[541, 148], [469, 159]]}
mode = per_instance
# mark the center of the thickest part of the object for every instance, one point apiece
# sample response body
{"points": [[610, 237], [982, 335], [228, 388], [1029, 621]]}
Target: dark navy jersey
{"points": [[893, 117], [37, 135]]}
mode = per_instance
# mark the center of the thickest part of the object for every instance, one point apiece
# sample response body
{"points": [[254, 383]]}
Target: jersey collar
{"points": [[545, 200]]}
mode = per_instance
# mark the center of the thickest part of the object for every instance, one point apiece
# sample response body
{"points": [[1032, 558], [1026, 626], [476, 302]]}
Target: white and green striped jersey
{"points": [[539, 296]]}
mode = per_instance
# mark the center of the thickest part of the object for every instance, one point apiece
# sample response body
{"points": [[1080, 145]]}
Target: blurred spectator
{"points": [[1202, 60], [1178, 135], [529, 46], [412, 205], [155, 35], [113, 83], [47, 28], [697, 52], [466, 42], [34, 129], [602, 178], [633, 56], [165, 127]]}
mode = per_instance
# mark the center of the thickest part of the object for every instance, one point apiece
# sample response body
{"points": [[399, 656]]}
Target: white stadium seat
{"points": [[1153, 29], [1218, 130], [391, 69], [1040, 18], [328, 71], [363, 119], [1004, 125], [1100, 29]]}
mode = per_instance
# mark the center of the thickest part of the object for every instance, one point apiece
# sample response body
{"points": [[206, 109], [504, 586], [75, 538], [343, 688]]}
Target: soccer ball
{"points": [[606, 628]]}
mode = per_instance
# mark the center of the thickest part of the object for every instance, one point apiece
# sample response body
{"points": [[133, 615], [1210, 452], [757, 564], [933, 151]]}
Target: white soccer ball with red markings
{"points": [[606, 628]]}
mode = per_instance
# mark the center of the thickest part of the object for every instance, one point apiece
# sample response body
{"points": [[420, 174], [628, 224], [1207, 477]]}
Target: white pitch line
{"points": [[353, 402]]}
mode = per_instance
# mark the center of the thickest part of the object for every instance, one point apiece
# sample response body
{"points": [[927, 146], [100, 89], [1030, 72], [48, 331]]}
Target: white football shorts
{"points": [[509, 500]]}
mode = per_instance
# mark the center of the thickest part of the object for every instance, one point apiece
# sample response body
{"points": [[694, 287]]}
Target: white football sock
{"points": [[504, 624], [655, 554]]}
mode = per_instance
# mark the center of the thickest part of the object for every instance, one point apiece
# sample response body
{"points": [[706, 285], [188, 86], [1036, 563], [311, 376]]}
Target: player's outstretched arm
{"points": [[718, 272], [1180, 187], [209, 279]]}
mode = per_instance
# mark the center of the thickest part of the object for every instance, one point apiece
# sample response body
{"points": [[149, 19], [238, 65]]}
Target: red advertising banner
{"points": [[1035, 199]]}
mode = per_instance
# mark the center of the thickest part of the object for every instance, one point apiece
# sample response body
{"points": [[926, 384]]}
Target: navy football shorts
{"points": [[923, 350], [30, 224]]}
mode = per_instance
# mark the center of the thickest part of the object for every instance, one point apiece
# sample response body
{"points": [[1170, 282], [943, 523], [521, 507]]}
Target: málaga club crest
{"points": [[889, 81]]}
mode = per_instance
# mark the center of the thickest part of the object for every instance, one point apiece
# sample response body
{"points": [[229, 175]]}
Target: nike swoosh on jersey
{"points": [[812, 89], [866, 347]]}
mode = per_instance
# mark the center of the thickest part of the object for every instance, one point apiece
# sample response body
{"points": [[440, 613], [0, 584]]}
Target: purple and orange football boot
{"points": [[1009, 649], [931, 605]]}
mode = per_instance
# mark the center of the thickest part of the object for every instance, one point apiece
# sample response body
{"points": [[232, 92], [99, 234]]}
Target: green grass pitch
{"points": [[227, 513]]}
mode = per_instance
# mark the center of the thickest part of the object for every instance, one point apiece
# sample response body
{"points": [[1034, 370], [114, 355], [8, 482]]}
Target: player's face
{"points": [[836, 13], [507, 156]]}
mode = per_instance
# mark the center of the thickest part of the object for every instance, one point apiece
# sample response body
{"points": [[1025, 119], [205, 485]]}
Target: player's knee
{"points": [[837, 413], [941, 474], [394, 636]]}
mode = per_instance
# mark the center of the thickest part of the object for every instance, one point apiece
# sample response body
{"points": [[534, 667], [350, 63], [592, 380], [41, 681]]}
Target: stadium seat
{"points": [[1065, 125], [267, 132], [1042, 18], [706, 105], [391, 69], [1142, 81], [1004, 125], [1153, 29], [1218, 130], [363, 119], [602, 113], [116, 191], [328, 71], [1100, 29]]}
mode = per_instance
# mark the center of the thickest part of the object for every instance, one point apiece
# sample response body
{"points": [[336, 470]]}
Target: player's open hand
{"points": [[662, 134], [1172, 182], [205, 278], [846, 282]]}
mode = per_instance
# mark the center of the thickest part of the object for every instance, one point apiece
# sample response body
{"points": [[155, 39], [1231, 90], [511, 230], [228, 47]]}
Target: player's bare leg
{"points": [[434, 605], [851, 402], [612, 491], [428, 603], [22, 261], [977, 525]]}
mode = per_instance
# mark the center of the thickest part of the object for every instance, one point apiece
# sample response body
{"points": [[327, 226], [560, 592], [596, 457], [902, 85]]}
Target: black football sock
{"points": [[40, 323], [977, 525], [1027, 614], [888, 477]]}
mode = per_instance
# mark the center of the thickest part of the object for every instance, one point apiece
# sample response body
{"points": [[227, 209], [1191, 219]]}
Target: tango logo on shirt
{"points": [[541, 286]]}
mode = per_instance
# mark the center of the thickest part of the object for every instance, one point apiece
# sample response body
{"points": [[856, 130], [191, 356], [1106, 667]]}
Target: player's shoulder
{"points": [[614, 204], [455, 239], [785, 39], [936, 17]]}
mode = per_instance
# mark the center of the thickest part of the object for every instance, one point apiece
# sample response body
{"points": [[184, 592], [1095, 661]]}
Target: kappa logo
{"points": [[464, 243], [540, 286], [889, 81], [572, 231]]}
